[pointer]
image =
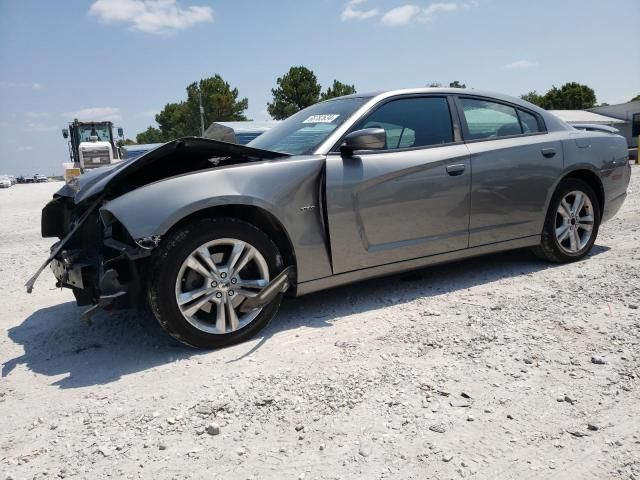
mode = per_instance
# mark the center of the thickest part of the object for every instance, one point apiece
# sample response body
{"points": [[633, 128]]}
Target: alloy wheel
{"points": [[574, 221], [215, 279]]}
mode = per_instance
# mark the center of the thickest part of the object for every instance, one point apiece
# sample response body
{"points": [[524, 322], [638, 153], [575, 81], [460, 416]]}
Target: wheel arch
{"points": [[592, 179], [256, 216]]}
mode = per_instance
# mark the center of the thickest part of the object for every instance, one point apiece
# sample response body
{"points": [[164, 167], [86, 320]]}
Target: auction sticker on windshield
{"points": [[324, 118]]}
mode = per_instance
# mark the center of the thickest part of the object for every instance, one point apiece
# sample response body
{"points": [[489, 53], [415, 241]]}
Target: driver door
{"points": [[408, 200]]}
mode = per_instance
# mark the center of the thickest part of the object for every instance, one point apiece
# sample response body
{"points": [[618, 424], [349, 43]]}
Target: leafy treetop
{"points": [[338, 89], [296, 90], [219, 101], [570, 96]]}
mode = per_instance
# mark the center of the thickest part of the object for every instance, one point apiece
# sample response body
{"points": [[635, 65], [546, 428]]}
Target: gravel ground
{"points": [[497, 367]]}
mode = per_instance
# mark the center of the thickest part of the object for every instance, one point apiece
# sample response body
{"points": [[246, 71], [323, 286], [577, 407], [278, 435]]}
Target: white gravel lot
{"points": [[478, 369]]}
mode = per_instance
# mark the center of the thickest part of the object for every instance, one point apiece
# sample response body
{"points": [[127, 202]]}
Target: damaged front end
{"points": [[96, 256]]}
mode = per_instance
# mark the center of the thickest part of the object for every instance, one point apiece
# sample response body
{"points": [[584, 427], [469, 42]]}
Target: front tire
{"points": [[200, 275], [572, 223]]}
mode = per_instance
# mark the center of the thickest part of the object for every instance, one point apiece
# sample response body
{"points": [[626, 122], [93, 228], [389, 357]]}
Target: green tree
{"points": [[297, 89], [338, 89], [219, 101], [533, 97], [174, 121], [637, 97], [150, 135], [570, 96]]}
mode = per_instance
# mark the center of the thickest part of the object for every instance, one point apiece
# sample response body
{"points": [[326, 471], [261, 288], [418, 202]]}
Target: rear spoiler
{"points": [[595, 127]]}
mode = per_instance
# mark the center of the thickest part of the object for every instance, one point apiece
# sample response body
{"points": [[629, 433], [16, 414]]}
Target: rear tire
{"points": [[175, 288], [572, 223]]}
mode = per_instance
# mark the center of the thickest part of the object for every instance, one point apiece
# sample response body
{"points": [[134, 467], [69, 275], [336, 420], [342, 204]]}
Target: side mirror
{"points": [[120, 132], [65, 133], [365, 139]]}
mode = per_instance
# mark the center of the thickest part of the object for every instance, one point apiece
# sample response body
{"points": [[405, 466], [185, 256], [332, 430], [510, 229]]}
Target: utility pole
{"points": [[201, 112]]}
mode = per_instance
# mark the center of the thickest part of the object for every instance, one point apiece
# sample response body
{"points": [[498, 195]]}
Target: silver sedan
{"points": [[211, 234]]}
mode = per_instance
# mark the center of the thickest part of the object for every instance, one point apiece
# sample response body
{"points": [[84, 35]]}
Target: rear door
{"points": [[515, 165], [406, 201]]}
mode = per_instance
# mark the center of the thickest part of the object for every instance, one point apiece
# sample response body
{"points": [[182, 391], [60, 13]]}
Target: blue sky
{"points": [[123, 60]]}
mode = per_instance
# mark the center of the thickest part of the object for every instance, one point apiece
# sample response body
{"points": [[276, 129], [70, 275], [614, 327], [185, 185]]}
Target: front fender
{"points": [[283, 188]]}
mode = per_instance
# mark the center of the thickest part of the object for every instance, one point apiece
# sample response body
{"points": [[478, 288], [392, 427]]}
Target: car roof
{"points": [[553, 122], [445, 91]]}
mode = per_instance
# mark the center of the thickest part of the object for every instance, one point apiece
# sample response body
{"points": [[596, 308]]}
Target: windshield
{"points": [[303, 132], [102, 133]]}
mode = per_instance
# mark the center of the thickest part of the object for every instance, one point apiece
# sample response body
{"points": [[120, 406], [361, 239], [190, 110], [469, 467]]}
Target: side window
{"points": [[487, 119], [529, 122], [412, 122], [635, 125]]}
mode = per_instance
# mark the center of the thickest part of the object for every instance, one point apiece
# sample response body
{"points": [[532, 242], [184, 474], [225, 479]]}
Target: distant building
{"points": [[136, 150], [625, 117], [248, 130], [238, 132], [629, 113]]}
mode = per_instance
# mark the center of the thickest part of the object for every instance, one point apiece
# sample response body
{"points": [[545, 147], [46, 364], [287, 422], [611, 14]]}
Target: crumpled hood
{"points": [[188, 151], [85, 182]]}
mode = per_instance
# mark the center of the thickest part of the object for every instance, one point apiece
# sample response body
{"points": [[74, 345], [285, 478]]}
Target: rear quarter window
{"points": [[529, 122], [486, 119]]}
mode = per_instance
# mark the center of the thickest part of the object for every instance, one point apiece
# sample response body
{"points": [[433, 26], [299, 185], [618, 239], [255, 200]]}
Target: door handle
{"points": [[457, 169], [548, 152]]}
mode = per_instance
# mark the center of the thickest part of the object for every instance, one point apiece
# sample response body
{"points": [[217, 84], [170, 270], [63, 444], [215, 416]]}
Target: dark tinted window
{"points": [[529, 122], [489, 119], [412, 122], [635, 125]]}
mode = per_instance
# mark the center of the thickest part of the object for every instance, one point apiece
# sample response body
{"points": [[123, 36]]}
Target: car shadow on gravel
{"points": [[56, 342]]}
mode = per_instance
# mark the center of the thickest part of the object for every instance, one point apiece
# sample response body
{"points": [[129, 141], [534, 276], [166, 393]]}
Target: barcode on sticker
{"points": [[326, 118]]}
